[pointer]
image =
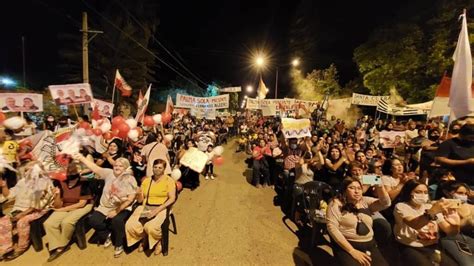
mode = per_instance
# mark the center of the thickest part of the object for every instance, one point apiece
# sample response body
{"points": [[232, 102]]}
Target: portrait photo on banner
{"points": [[391, 139], [105, 108], [21, 102], [71, 94]]}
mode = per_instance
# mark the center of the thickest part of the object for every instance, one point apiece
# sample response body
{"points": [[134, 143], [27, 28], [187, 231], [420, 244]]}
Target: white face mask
{"points": [[420, 198], [461, 197]]}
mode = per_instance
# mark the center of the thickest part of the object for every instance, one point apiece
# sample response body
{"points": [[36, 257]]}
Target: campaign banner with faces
{"points": [[105, 108], [391, 139], [21, 102], [71, 94]]}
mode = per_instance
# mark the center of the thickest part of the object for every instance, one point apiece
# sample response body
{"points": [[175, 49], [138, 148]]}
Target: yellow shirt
{"points": [[10, 148], [157, 194]]}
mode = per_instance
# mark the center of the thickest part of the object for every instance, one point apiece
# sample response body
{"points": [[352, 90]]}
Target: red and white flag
{"points": [[169, 105], [142, 104], [461, 80], [122, 85]]}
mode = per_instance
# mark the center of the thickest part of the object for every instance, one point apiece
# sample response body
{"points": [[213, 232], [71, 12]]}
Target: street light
{"points": [[260, 61], [8, 82], [249, 89], [295, 62]]}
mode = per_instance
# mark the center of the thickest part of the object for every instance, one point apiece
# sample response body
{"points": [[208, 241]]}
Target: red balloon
{"points": [[116, 121], [97, 131], [165, 118], [115, 132], [124, 128], [85, 125], [108, 135], [179, 186], [218, 160], [148, 121], [3, 117]]}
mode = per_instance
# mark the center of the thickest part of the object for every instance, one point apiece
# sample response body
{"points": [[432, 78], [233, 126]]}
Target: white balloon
{"points": [[176, 174], [133, 134], [14, 123], [132, 123], [157, 118], [169, 137], [219, 150], [105, 127]]}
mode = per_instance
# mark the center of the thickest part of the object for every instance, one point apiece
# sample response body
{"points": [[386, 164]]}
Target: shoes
{"points": [[141, 248], [57, 253], [118, 251], [14, 255], [108, 241], [158, 249], [212, 177], [207, 177]]}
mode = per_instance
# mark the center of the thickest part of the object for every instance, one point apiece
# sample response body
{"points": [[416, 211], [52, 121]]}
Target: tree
{"points": [[317, 83]]}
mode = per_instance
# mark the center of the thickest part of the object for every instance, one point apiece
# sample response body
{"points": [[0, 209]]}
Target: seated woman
{"points": [[114, 208], [460, 246], [336, 167], [114, 151], [349, 224], [33, 196], [395, 182], [418, 223], [156, 193], [72, 200], [260, 164]]}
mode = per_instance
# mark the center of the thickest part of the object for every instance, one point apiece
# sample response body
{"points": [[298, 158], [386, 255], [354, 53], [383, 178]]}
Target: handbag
{"points": [[361, 229]]}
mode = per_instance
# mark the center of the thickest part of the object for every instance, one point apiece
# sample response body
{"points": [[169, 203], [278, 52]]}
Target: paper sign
{"points": [[194, 159], [21, 102], [296, 128]]}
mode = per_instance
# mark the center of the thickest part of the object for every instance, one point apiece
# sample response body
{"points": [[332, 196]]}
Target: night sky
{"points": [[214, 38]]}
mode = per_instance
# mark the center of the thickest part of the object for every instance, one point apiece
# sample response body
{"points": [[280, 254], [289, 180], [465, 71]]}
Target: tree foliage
{"points": [[317, 83], [413, 53]]}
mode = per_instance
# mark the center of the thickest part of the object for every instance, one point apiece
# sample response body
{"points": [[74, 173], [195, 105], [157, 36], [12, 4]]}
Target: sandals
{"points": [[158, 249]]}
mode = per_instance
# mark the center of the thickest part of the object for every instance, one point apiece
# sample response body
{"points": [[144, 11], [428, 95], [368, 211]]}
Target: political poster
{"points": [[71, 94], [296, 128], [21, 102], [194, 159], [105, 108], [252, 104], [231, 89], [391, 139], [367, 100], [201, 113], [269, 110], [215, 102]]}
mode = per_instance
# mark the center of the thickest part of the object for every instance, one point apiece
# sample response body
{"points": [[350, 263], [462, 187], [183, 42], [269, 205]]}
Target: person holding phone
{"points": [[349, 223], [156, 194], [418, 224], [459, 246]]}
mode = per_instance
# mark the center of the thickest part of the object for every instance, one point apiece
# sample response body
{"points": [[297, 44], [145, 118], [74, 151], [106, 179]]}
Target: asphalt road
{"points": [[224, 222]]}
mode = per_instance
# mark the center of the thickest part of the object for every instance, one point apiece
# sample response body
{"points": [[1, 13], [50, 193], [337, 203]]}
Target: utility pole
{"points": [[276, 84], [24, 60], [85, 49]]}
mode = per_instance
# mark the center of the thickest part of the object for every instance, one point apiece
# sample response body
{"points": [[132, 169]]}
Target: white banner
{"points": [[204, 113], [105, 108], [367, 100], [21, 102], [215, 102], [71, 94], [252, 104], [296, 128], [231, 89]]}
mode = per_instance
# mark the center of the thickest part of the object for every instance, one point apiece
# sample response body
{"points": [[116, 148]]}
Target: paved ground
{"points": [[223, 222]]}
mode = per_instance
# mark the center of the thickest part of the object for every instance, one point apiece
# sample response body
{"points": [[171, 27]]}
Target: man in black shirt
{"points": [[457, 154]]}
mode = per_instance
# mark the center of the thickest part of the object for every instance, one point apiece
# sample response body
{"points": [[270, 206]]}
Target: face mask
{"points": [[293, 146], [50, 119], [420, 198], [461, 197]]}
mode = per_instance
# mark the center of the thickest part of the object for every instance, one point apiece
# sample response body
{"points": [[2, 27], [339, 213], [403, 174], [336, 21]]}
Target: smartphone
{"points": [[454, 203], [371, 180], [464, 247]]}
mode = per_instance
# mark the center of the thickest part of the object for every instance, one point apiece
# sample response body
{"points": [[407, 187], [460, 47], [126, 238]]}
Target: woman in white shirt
{"points": [[417, 224]]}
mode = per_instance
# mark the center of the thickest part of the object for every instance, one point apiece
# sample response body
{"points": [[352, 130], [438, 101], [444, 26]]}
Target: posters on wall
{"points": [[71, 94], [215, 102], [21, 102], [105, 108]]}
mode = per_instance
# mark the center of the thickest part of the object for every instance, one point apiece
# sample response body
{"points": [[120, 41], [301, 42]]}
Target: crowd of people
{"points": [[415, 194], [123, 187], [413, 197]]}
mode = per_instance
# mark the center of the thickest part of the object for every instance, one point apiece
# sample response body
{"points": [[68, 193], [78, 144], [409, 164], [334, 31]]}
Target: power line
{"points": [[138, 43], [159, 43]]}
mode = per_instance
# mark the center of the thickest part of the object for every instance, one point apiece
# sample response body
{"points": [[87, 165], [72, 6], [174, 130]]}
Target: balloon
{"points": [[108, 135], [219, 150], [80, 131], [116, 121], [148, 121], [165, 118], [123, 131], [85, 125], [157, 118], [176, 174], [95, 113], [105, 127], [218, 160], [2, 117], [169, 137], [94, 123], [133, 134], [132, 123], [115, 132], [97, 131], [14, 123], [179, 186], [89, 132]]}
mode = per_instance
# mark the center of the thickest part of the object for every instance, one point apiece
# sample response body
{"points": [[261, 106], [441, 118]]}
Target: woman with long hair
{"points": [[336, 167]]}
